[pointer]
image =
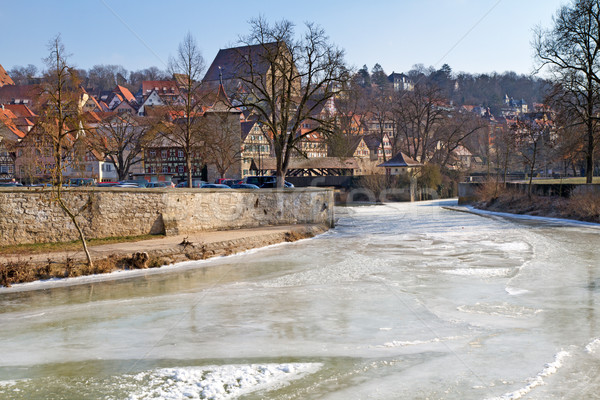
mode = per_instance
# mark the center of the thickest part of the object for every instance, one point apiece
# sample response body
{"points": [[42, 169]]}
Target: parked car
{"points": [[40, 185], [158, 185], [273, 185], [134, 182], [244, 186], [10, 184], [107, 184], [259, 180], [269, 181], [129, 185], [195, 183], [77, 182], [214, 186], [230, 182]]}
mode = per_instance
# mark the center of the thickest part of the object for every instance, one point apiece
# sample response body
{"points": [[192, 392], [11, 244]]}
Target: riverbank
{"points": [[491, 196], [20, 268]]}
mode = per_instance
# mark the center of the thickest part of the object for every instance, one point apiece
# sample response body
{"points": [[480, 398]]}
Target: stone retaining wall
{"points": [[29, 215]]}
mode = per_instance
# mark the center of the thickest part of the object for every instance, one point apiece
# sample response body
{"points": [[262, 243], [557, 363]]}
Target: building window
{"points": [[163, 154], [165, 169], [152, 153], [180, 169], [180, 153], [172, 153]]}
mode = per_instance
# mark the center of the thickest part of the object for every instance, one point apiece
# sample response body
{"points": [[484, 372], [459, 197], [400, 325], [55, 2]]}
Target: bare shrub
{"points": [[489, 191], [585, 207], [16, 272]]}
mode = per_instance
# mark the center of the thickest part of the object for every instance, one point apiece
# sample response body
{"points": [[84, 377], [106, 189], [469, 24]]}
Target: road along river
{"points": [[400, 301]]}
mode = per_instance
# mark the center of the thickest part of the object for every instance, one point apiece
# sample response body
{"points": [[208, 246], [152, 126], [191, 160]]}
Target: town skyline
{"points": [[474, 37]]}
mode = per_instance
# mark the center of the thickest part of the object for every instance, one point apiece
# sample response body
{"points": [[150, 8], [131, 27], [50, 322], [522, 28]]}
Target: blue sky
{"points": [[477, 36]]}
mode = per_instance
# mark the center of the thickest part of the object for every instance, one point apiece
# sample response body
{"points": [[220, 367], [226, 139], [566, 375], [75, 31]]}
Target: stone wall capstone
{"points": [[29, 215]]}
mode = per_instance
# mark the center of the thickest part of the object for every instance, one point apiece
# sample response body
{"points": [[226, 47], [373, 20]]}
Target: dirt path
{"points": [[174, 248]]}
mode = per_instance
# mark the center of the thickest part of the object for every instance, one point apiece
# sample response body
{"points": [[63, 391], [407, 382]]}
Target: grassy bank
{"points": [[494, 196], [75, 245]]}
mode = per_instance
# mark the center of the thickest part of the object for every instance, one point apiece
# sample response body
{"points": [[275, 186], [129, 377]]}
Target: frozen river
{"points": [[401, 301]]}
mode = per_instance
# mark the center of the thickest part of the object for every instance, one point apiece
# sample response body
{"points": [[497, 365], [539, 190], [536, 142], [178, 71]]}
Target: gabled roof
{"points": [[373, 141], [93, 100], [11, 93], [246, 128], [163, 88], [125, 93], [7, 119], [91, 117], [125, 105], [353, 142], [20, 110], [232, 62], [400, 160], [4, 78]]}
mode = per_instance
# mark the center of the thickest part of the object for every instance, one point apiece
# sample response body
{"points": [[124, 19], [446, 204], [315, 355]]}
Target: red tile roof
{"points": [[7, 118], [4, 78], [125, 93], [11, 93], [161, 87], [20, 110]]}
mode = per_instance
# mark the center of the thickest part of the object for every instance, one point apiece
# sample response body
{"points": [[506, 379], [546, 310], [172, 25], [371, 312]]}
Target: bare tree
{"points": [[122, 137], [454, 131], [417, 114], [149, 74], [381, 110], [301, 76], [504, 149], [106, 77], [61, 124], [223, 147], [187, 130], [571, 50], [530, 135], [349, 119], [23, 75]]}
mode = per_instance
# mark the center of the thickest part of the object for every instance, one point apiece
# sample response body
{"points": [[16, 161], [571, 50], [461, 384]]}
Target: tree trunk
{"points": [[589, 161], [79, 231], [189, 170], [532, 170]]}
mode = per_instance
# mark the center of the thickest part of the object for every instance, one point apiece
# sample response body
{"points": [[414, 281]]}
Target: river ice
{"points": [[400, 301]]}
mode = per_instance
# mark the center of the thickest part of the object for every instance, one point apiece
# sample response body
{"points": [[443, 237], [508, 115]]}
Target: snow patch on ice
{"points": [[538, 380], [217, 382], [515, 291], [509, 247], [399, 343], [593, 346], [501, 309], [482, 272]]}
